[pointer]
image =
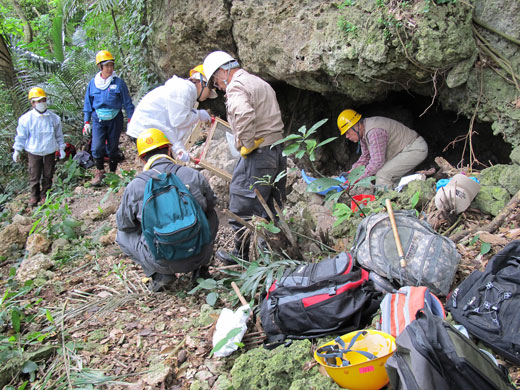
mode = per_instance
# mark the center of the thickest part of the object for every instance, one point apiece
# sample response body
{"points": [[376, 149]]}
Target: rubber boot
{"points": [[112, 165]]}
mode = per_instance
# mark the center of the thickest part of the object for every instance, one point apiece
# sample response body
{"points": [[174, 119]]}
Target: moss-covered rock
{"points": [[505, 176], [492, 199], [515, 155], [425, 188], [280, 368]]}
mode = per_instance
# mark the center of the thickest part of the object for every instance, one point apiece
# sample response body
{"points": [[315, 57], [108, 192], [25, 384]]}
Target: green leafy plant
{"points": [[301, 144], [485, 247], [341, 211], [116, 182], [213, 286], [346, 3], [261, 273], [67, 176], [54, 216], [222, 342], [347, 27]]}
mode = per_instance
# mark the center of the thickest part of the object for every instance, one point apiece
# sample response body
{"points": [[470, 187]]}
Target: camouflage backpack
{"points": [[431, 258]]}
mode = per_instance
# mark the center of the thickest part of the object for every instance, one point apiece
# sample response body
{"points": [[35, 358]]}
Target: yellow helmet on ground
{"points": [[347, 119], [37, 93], [151, 139], [357, 360], [103, 55]]}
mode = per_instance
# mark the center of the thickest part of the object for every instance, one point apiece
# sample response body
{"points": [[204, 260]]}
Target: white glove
{"points": [[15, 155], [62, 154], [183, 155], [203, 115], [87, 129]]}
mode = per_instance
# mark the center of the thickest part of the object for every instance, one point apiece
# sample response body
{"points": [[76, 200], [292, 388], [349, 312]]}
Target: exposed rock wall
{"points": [[358, 50]]}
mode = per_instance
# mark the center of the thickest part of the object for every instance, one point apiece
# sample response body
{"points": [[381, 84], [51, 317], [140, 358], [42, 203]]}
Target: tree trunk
{"points": [[6, 63], [27, 30]]}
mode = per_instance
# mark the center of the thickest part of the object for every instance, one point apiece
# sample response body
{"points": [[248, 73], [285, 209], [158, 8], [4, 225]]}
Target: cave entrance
{"points": [[440, 128]]}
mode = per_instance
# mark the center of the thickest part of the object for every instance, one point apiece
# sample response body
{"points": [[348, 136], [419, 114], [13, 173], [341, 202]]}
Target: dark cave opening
{"points": [[440, 128]]}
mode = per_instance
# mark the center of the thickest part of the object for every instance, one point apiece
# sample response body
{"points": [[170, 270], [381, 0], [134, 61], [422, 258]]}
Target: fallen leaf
{"points": [[513, 234], [145, 332], [115, 332], [136, 386], [492, 239]]}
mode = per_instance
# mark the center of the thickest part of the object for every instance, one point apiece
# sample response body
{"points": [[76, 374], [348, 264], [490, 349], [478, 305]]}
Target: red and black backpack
{"points": [[332, 296]]}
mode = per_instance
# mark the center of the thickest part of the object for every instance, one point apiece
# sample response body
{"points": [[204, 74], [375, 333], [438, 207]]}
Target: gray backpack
{"points": [[431, 258], [431, 354]]}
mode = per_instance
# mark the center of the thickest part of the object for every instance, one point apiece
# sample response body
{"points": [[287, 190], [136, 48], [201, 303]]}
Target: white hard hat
{"points": [[215, 60]]}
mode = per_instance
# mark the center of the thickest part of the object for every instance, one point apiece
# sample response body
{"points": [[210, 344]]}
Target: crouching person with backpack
{"points": [[166, 221]]}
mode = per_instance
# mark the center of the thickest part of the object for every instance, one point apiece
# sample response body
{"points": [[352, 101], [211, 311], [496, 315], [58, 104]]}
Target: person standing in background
{"points": [[39, 133], [106, 95]]}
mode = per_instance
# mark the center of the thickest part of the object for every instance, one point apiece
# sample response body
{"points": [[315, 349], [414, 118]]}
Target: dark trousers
{"points": [[41, 167], [248, 171], [105, 136]]}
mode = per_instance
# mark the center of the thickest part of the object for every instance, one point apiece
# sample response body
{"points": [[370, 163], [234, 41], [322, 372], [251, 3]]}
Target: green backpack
{"points": [[173, 223]]}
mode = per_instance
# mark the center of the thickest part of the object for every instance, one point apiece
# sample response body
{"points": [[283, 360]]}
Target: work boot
{"points": [[161, 282], [228, 257], [98, 179], [201, 272], [112, 165]]}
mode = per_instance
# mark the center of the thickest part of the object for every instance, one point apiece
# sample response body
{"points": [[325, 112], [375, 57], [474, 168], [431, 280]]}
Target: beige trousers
{"points": [[402, 164]]}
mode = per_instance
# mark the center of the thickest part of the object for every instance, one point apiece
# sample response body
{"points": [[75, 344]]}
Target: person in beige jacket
{"points": [[389, 149], [256, 122]]}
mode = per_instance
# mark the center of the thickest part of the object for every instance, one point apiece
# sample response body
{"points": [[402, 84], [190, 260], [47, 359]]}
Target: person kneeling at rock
{"points": [[158, 262], [389, 149]]}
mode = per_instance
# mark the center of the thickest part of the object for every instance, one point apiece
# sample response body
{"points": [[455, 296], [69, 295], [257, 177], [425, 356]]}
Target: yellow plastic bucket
{"points": [[362, 373]]}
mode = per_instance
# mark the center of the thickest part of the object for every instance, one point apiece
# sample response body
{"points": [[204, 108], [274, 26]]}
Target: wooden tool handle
{"points": [[396, 233], [241, 297]]}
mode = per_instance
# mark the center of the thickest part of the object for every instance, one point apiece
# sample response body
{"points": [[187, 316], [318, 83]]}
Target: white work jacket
{"points": [[169, 108], [39, 134]]}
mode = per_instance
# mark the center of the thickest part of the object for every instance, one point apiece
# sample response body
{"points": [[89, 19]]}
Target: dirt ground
{"points": [[147, 340]]}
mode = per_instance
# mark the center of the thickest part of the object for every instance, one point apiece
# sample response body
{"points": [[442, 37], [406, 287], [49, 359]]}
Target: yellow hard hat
{"points": [[103, 55], [37, 93], [151, 139], [198, 69], [347, 119], [356, 360]]}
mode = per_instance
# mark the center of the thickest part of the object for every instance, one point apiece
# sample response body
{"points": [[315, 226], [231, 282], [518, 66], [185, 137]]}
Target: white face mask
{"points": [[41, 107]]}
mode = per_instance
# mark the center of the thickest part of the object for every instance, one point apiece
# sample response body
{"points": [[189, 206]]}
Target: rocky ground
{"points": [[109, 331]]}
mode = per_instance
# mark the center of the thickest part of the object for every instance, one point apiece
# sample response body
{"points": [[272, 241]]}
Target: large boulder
{"points": [[353, 52], [492, 199]]}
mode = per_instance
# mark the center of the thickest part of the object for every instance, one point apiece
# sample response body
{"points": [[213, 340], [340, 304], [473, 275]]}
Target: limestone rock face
{"points": [[358, 50]]}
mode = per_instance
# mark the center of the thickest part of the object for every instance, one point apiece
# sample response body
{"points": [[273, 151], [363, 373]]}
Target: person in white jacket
{"points": [[39, 133], [171, 108]]}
